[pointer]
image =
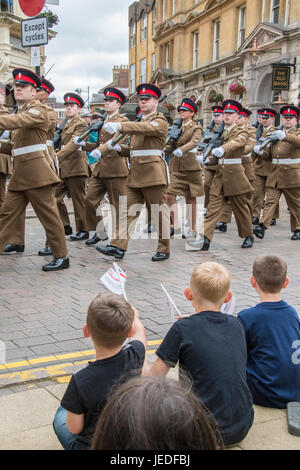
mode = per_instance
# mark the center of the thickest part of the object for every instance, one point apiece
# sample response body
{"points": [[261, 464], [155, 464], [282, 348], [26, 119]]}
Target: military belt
{"points": [[146, 153], [285, 161], [230, 161], [28, 149], [247, 156], [49, 143]]}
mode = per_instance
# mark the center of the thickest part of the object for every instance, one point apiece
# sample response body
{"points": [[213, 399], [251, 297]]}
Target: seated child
{"points": [[210, 346], [155, 413], [272, 330], [110, 320]]}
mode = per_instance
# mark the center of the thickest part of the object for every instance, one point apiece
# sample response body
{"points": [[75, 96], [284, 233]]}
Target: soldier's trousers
{"points": [[208, 179], [136, 197], [259, 186], [97, 188], [292, 197], [75, 185], [44, 204], [2, 188], [241, 206]]}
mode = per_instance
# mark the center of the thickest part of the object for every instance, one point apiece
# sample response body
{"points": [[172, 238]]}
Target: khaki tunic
{"points": [[148, 178], [32, 177], [5, 166], [109, 176], [50, 137], [186, 174]]}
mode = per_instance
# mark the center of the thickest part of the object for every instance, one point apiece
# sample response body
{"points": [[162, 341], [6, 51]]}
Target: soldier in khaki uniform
{"points": [[242, 122], [148, 175], [284, 177], [5, 160], [186, 176], [33, 177], [230, 182], [262, 167], [109, 174], [73, 166]]}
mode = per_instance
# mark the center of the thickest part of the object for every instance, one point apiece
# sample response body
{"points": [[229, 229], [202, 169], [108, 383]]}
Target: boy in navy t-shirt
{"points": [[272, 330]]}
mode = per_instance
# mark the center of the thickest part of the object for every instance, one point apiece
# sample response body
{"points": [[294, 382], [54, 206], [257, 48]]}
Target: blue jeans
{"points": [[65, 437]]}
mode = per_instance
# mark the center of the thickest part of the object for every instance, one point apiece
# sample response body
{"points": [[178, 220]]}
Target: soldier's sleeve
{"points": [[157, 126], [251, 143], [105, 150], [70, 147], [293, 139], [52, 121], [238, 142], [197, 134], [34, 117]]}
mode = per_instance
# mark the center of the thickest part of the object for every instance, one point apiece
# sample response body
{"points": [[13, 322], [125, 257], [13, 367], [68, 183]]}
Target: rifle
{"points": [[206, 137], [271, 139], [120, 136], [215, 141], [57, 134], [96, 126], [174, 131]]}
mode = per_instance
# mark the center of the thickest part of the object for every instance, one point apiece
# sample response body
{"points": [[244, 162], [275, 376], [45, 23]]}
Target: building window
{"points": [[143, 26], [143, 76], [153, 21], [163, 10], [216, 51], [167, 56], [242, 25], [7, 6], [132, 78], [153, 62], [274, 13], [132, 33], [195, 50]]}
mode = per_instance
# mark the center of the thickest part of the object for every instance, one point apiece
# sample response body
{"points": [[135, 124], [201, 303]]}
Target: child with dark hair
{"points": [[272, 330], [110, 320], [155, 413]]}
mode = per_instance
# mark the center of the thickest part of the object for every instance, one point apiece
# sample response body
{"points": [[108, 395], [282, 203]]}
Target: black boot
{"points": [[248, 242], [296, 235], [95, 239], [68, 230], [109, 250], [221, 226], [11, 247], [273, 222], [56, 264], [259, 231], [202, 244], [255, 220], [160, 256], [79, 236], [45, 251]]}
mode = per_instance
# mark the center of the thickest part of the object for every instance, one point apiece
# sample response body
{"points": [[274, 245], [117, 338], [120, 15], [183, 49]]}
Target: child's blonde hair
{"points": [[210, 281]]}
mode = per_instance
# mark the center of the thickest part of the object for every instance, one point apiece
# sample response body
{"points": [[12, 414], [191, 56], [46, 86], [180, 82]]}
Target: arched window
{"points": [[132, 33]]}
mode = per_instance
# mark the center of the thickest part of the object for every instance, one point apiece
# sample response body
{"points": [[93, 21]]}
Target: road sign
{"points": [[31, 7], [34, 32]]}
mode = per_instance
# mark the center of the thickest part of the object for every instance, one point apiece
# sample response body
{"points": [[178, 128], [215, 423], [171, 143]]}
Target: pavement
{"points": [[42, 314]]}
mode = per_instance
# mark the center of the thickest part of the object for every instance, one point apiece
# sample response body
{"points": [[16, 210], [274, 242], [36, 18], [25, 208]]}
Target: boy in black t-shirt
{"points": [[110, 320], [210, 346]]}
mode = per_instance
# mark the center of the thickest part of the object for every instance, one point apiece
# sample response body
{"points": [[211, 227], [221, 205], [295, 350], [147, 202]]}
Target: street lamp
{"points": [[254, 52]]}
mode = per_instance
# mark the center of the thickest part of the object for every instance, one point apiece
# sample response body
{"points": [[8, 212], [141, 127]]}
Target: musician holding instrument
{"points": [[185, 172], [148, 175], [230, 182], [284, 177]]}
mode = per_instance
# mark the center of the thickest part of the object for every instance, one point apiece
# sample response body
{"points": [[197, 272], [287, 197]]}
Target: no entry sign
{"points": [[31, 7]]}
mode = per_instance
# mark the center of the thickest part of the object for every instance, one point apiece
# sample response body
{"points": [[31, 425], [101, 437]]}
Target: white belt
{"points": [[49, 143], [146, 153], [29, 149], [247, 156], [230, 161], [285, 161]]}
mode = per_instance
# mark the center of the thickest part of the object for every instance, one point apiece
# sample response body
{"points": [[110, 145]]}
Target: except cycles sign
{"points": [[34, 32], [31, 7]]}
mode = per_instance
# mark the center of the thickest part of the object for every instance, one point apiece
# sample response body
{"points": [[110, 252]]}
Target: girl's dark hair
{"points": [[155, 413]]}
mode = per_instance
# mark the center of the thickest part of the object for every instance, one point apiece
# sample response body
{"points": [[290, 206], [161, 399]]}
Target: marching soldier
{"points": [[148, 175], [186, 175], [262, 167], [284, 177], [242, 122], [5, 160], [33, 178], [110, 172], [230, 182]]}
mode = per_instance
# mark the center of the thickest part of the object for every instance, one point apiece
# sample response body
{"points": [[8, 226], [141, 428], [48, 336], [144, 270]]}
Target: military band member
{"points": [[148, 175], [33, 178], [284, 177], [262, 167], [209, 172], [230, 182], [109, 174], [186, 175], [73, 166], [5, 160]]}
